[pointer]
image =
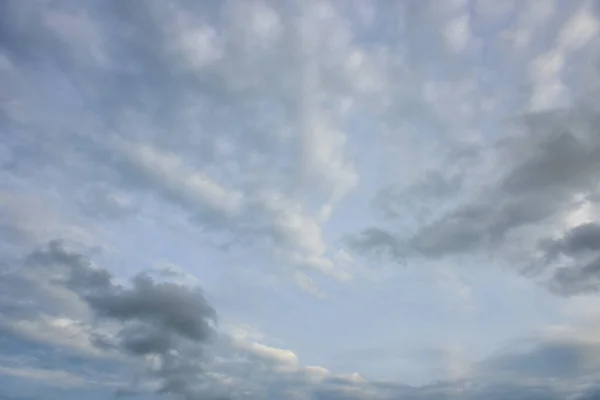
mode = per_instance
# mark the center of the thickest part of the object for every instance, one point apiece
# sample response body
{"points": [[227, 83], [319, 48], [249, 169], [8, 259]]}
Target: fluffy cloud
{"points": [[151, 318]]}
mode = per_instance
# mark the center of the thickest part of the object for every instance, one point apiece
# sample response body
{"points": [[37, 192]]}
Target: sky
{"points": [[310, 199]]}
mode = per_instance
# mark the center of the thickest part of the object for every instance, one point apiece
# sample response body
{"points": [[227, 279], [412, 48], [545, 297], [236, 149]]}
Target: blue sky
{"points": [[299, 199]]}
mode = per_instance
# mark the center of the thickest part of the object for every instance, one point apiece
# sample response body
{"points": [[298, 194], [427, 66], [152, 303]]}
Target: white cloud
{"points": [[548, 66], [186, 185], [81, 32], [532, 17], [547, 70], [199, 46], [580, 28], [546, 73], [457, 33], [246, 338], [271, 353], [306, 283], [323, 162]]}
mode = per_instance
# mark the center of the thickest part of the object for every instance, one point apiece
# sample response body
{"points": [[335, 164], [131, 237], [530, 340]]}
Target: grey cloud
{"points": [[170, 306], [582, 238], [538, 171], [563, 161], [106, 203], [514, 391], [142, 340], [539, 184], [590, 394], [444, 391], [480, 224], [133, 85], [579, 247], [468, 228], [182, 311], [172, 322], [42, 295], [577, 278], [546, 360], [544, 369], [80, 276], [462, 230], [379, 241], [395, 200]]}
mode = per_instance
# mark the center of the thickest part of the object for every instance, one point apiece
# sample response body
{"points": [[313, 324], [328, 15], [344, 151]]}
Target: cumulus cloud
{"points": [[145, 319]]}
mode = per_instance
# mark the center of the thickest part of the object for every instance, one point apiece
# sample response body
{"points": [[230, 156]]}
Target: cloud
{"points": [[250, 136], [170, 64], [166, 320], [582, 238], [573, 259], [192, 189], [165, 331], [545, 169], [576, 279], [544, 361], [170, 330], [58, 378]]}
